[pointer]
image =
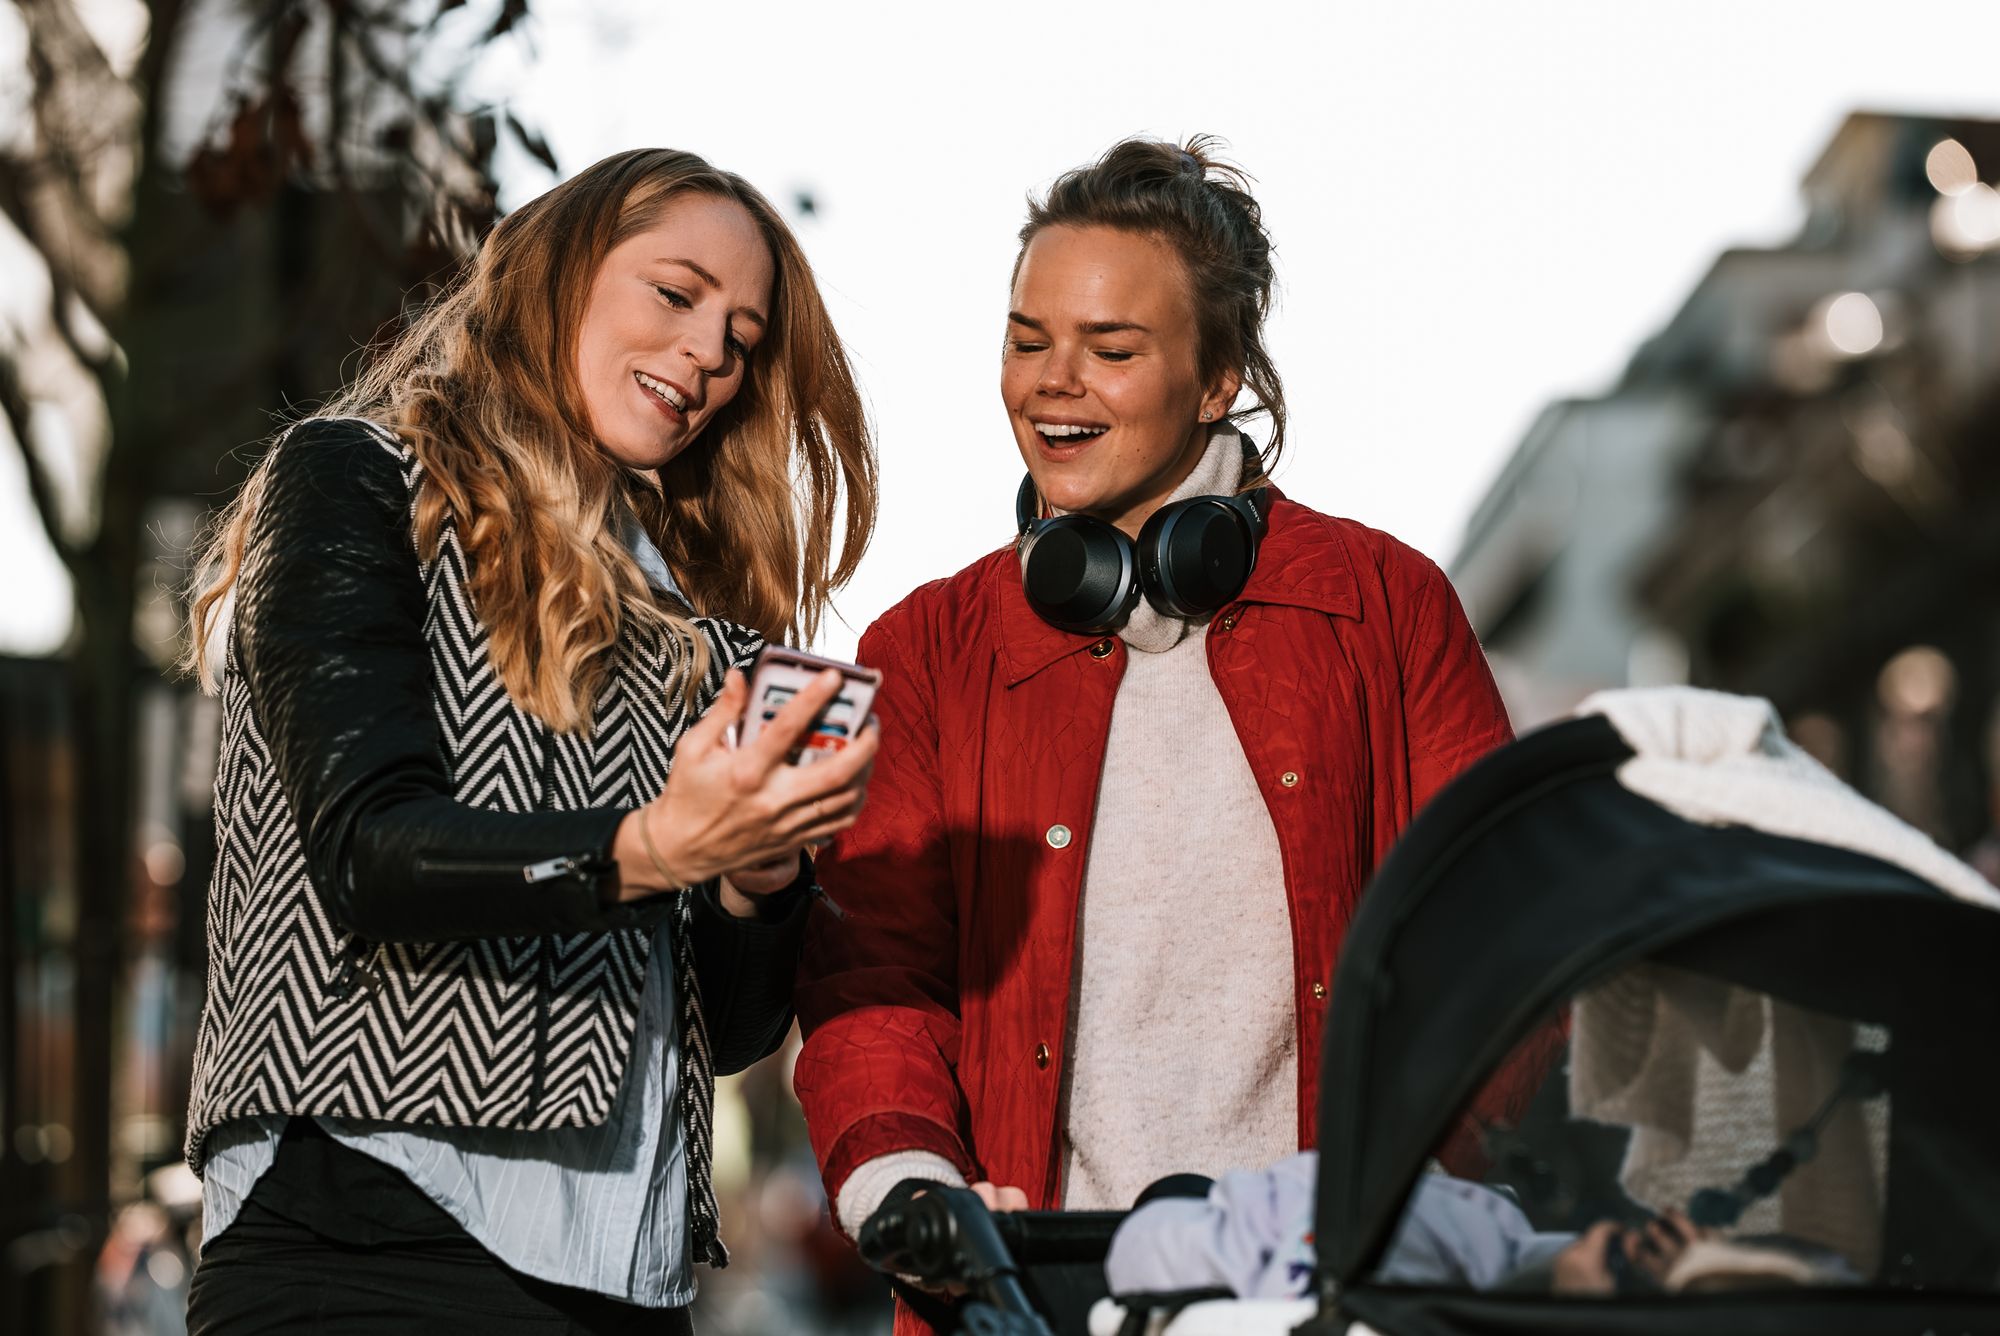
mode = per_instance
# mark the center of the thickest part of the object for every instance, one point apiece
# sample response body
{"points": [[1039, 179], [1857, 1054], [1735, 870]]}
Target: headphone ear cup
{"points": [[1195, 556], [1080, 574]]}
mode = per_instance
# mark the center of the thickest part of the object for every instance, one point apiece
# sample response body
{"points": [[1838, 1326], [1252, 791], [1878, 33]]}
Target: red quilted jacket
{"points": [[934, 1009]]}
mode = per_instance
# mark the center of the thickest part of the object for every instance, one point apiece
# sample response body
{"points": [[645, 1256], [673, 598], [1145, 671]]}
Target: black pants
{"points": [[268, 1274]]}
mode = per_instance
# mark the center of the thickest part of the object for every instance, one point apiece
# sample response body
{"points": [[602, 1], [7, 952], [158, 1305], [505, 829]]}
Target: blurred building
{"points": [[1791, 491]]}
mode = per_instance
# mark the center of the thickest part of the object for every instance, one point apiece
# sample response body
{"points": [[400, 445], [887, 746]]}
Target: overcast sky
{"points": [[1478, 207]]}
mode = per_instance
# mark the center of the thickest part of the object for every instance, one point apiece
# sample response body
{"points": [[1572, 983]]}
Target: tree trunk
{"points": [[102, 714], [101, 729]]}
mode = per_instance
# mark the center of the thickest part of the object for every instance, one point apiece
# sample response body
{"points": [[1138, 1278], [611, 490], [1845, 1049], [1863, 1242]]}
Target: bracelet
{"points": [[652, 851]]}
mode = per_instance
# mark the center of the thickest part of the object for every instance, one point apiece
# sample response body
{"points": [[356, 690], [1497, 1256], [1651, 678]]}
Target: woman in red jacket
{"points": [[1136, 766]]}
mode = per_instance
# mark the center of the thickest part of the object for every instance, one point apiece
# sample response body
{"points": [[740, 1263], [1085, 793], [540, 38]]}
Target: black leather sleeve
{"points": [[746, 968], [329, 638]]}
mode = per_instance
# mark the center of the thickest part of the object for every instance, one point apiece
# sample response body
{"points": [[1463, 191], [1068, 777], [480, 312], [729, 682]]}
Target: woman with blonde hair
{"points": [[495, 897]]}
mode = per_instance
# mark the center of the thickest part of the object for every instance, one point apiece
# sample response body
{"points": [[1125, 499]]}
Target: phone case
{"points": [[780, 673]]}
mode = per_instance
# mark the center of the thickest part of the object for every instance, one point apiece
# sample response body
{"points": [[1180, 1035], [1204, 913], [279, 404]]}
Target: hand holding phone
{"points": [[739, 807], [780, 673]]}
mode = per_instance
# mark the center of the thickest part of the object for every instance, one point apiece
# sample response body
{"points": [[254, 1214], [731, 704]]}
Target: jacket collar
{"points": [[1304, 562]]}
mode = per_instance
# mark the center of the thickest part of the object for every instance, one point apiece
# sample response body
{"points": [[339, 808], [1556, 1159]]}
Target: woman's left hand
{"points": [[741, 889]]}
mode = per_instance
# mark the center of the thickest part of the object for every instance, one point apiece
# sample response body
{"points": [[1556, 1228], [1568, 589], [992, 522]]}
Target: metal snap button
{"points": [[1290, 779], [1101, 650], [1042, 1056], [1229, 622], [1319, 991], [1058, 837]]}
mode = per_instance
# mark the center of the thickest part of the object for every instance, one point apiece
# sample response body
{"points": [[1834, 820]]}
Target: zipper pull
{"points": [[569, 865], [818, 892], [353, 974]]}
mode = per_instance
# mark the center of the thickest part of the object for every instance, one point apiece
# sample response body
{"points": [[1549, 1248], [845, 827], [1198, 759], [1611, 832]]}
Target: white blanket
{"points": [[1725, 760]]}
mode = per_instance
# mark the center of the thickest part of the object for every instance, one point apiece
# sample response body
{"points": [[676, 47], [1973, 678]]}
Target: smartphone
{"points": [[781, 672]]}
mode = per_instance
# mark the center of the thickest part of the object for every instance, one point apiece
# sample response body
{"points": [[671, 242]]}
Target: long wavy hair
{"points": [[483, 387]]}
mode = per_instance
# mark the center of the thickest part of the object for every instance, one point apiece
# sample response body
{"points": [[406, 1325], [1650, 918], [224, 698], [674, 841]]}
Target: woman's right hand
{"points": [[726, 808], [998, 1198]]}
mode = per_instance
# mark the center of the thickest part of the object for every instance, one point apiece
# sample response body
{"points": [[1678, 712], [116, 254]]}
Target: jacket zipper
{"points": [[545, 947], [360, 957], [549, 869], [356, 972]]}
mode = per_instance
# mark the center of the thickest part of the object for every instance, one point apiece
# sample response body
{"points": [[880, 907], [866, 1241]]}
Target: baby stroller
{"points": [[1788, 1039]]}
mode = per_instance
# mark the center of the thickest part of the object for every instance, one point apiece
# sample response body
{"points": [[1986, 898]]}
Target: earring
{"points": [[1206, 416]]}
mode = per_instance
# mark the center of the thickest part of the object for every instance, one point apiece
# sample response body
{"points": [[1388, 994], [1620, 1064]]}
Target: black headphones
{"points": [[1083, 574]]}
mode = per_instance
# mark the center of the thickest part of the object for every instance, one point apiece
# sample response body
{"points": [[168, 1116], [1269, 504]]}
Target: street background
{"points": [[1669, 330]]}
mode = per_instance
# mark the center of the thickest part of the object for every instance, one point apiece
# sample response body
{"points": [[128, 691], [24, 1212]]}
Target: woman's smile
{"points": [[1065, 438], [670, 399]]}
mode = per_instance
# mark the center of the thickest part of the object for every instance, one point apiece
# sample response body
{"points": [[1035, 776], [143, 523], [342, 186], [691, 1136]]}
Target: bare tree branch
{"points": [[101, 363], [15, 407], [163, 32], [385, 248], [82, 112], [56, 29], [435, 110]]}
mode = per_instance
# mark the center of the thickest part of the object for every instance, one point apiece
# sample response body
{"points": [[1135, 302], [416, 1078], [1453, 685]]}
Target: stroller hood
{"points": [[1537, 872]]}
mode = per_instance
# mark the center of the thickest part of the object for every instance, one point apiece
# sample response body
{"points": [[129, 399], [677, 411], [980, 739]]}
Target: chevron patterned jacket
{"points": [[405, 921]]}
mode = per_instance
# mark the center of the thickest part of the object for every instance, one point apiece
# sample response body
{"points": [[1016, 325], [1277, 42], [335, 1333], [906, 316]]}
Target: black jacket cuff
{"points": [[746, 968]]}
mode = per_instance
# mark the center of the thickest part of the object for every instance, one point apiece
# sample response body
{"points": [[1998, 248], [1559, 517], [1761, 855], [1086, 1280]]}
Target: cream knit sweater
{"points": [[1183, 1052]]}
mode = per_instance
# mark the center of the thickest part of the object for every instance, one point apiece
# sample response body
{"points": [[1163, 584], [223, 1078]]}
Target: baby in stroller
{"points": [[1251, 1237]]}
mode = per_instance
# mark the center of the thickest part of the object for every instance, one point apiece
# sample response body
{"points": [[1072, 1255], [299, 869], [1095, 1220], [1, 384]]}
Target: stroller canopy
{"points": [[1537, 873]]}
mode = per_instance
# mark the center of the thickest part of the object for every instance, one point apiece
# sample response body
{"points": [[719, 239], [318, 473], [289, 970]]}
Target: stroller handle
{"points": [[945, 1236], [1038, 1238]]}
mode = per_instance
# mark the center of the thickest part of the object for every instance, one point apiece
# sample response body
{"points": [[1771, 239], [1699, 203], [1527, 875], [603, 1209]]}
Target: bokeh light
{"points": [[1950, 168], [1968, 223], [1920, 680], [1853, 324]]}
